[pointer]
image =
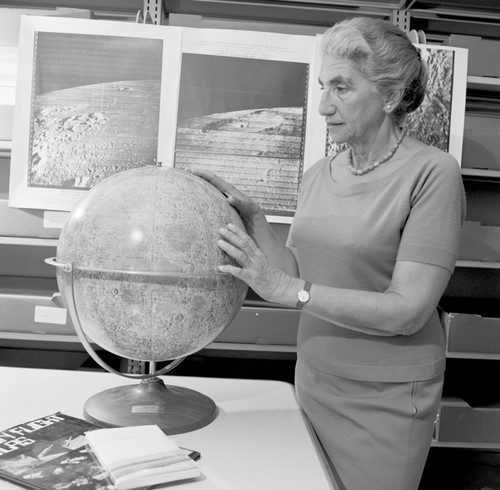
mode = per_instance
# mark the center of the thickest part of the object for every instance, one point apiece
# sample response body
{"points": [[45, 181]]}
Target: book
{"points": [[51, 453], [140, 455]]}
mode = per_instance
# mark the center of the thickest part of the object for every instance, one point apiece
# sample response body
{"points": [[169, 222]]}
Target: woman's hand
{"points": [[258, 230], [247, 208], [269, 282]]}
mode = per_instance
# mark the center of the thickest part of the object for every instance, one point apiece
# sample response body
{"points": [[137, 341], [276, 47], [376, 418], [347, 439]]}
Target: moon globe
{"points": [[136, 267]]}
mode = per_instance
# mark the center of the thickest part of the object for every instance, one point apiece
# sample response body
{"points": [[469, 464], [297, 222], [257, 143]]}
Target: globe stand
{"points": [[174, 409]]}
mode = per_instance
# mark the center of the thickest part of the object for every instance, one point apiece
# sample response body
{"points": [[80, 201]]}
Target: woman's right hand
{"points": [[248, 209], [257, 227]]}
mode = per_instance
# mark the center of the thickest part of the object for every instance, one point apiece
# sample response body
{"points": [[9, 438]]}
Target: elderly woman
{"points": [[371, 249]]}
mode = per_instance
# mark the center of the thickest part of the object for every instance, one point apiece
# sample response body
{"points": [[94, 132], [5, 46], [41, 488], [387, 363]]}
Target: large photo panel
{"points": [[440, 119], [87, 105], [243, 112]]}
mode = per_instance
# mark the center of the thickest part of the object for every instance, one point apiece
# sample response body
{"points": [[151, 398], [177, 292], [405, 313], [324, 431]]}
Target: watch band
{"points": [[303, 295]]}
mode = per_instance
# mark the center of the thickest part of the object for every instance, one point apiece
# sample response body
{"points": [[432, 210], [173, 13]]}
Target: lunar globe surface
{"points": [[142, 246]]}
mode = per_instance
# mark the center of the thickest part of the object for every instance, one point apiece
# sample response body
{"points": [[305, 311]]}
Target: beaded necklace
{"points": [[376, 163]]}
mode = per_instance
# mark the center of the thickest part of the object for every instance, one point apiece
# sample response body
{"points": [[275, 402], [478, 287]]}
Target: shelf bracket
{"points": [[155, 10], [401, 19]]}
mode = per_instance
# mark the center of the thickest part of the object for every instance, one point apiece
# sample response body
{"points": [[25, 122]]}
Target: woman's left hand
{"points": [[269, 282]]}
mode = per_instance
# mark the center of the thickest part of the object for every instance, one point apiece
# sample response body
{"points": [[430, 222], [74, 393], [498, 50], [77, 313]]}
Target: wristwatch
{"points": [[303, 295]]}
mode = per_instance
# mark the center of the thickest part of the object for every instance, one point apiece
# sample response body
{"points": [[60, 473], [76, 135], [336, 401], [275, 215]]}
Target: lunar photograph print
{"points": [[439, 121], [244, 119], [87, 105], [95, 107], [431, 122]]}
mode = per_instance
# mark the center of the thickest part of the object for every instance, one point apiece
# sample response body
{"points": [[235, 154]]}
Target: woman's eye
{"points": [[335, 89]]}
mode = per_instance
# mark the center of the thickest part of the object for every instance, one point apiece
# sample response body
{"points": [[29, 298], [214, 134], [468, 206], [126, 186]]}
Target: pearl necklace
{"points": [[376, 163]]}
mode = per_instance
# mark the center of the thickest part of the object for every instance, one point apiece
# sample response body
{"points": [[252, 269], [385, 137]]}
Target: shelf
{"points": [[28, 242], [480, 173], [478, 264], [466, 445], [73, 339], [465, 9], [215, 349], [5, 148], [289, 349], [483, 83], [320, 13], [109, 9], [479, 15], [439, 18], [221, 346], [473, 355]]}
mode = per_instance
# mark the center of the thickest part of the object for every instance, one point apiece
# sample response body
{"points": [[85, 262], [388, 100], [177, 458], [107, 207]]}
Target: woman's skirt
{"points": [[375, 435]]}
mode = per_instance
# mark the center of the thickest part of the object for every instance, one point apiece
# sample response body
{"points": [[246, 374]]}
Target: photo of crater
{"points": [[244, 120], [431, 122], [95, 108]]}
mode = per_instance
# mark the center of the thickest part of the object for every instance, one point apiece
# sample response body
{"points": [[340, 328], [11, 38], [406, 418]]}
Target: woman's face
{"points": [[351, 105]]}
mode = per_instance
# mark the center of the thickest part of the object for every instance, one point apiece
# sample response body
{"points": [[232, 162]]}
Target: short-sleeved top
{"points": [[350, 236]]}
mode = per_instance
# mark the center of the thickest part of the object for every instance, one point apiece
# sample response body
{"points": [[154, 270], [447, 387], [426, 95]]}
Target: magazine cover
{"points": [[50, 453]]}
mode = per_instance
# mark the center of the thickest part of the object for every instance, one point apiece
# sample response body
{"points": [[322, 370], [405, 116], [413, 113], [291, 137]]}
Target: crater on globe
{"points": [[137, 270]]}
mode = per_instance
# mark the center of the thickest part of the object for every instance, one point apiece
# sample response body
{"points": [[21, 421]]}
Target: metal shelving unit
{"points": [[438, 19]]}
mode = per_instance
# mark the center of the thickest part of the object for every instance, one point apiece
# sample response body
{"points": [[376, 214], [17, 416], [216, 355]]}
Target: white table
{"points": [[260, 439]]}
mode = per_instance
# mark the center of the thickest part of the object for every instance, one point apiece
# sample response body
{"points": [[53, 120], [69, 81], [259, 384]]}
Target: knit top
{"points": [[350, 236]]}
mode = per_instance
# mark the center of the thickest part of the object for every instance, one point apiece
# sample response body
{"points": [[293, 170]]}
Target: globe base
{"points": [[174, 409]]}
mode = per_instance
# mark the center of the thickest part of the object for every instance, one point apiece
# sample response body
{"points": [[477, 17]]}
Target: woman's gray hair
{"points": [[384, 55]]}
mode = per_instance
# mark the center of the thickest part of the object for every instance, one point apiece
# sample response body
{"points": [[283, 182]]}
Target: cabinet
{"points": [[470, 410]]}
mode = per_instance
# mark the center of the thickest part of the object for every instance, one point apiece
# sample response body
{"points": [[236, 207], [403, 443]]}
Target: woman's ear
{"points": [[392, 102]]}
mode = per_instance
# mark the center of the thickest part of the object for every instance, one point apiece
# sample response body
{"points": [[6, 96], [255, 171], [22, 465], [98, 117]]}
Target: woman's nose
{"points": [[325, 106]]}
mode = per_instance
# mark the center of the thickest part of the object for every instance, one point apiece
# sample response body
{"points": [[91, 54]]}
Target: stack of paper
{"points": [[140, 456]]}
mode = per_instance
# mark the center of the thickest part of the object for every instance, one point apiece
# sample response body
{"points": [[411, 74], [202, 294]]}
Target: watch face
{"points": [[303, 296]]}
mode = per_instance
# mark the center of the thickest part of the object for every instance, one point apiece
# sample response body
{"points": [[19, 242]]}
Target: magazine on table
{"points": [[52, 453]]}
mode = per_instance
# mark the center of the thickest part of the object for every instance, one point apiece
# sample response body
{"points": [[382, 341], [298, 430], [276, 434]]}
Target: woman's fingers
{"points": [[231, 269], [240, 247], [238, 239], [215, 180], [225, 187], [246, 206], [234, 252], [254, 267]]}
